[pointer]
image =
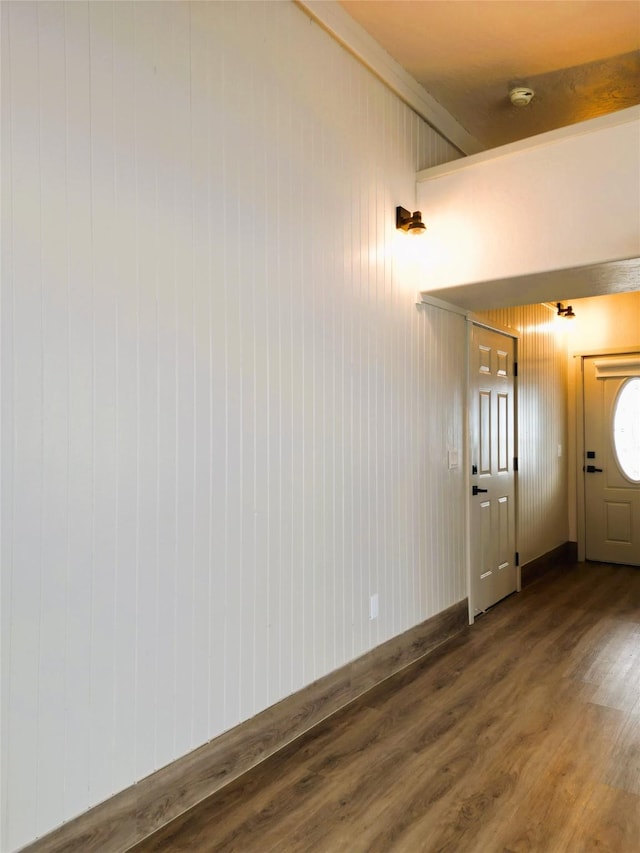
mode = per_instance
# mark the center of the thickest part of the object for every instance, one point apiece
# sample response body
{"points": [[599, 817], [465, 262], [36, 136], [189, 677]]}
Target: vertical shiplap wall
{"points": [[225, 422], [543, 513]]}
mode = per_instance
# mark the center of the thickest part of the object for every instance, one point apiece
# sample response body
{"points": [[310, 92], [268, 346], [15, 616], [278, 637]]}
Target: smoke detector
{"points": [[521, 96]]}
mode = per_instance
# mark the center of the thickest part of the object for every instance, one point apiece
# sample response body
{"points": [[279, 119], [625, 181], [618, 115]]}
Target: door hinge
{"points": [[515, 463], [515, 368], [517, 558]]}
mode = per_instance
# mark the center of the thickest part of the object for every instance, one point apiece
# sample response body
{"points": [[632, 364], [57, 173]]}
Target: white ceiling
{"points": [[582, 58]]}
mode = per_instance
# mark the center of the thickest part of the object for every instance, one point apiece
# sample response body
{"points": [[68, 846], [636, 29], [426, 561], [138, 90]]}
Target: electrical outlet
{"points": [[373, 606]]}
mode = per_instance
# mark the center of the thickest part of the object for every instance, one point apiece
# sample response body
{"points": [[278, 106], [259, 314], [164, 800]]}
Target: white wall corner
{"points": [[348, 32]]}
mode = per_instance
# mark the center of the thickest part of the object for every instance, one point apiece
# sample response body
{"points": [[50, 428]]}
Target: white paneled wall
{"points": [[543, 515], [225, 422]]}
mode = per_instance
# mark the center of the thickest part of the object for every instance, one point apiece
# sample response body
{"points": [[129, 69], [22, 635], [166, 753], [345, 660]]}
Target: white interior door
{"points": [[612, 458], [491, 436]]}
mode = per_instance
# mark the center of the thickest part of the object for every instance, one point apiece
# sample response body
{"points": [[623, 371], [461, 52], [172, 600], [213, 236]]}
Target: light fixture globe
{"points": [[417, 227]]}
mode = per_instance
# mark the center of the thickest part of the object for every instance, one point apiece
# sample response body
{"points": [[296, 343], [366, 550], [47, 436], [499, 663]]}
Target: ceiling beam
{"points": [[556, 216]]}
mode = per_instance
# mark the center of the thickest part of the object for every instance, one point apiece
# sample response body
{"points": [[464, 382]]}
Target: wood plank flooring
{"points": [[520, 734]]}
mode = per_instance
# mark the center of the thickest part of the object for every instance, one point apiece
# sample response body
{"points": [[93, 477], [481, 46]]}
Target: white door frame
{"points": [[473, 320], [578, 366]]}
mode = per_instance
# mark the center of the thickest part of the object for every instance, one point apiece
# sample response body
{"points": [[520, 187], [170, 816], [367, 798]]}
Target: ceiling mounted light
{"points": [[410, 222], [565, 312], [521, 96]]}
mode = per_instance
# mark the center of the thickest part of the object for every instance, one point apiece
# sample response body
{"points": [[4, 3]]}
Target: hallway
{"points": [[521, 734]]}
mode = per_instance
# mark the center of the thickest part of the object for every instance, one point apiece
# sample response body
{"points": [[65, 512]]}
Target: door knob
{"points": [[476, 490], [591, 469]]}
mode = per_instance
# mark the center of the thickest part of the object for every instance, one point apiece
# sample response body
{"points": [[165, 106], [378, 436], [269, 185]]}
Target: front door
{"points": [[493, 518], [612, 458]]}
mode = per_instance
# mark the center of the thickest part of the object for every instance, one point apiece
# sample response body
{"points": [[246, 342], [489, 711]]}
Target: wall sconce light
{"points": [[410, 222], [565, 312]]}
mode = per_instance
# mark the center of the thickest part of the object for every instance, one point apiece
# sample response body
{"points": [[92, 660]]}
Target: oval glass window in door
{"points": [[626, 429]]}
